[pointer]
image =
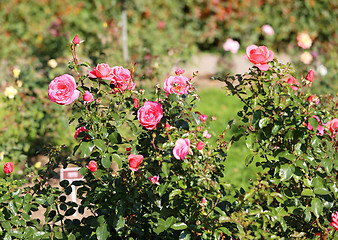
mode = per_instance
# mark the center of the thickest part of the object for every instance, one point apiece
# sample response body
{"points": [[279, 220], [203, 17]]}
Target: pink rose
{"points": [[176, 84], [150, 114], [102, 71], [292, 82], [259, 56], [8, 168], [76, 39], [120, 75], [136, 103], [92, 166], [320, 128], [333, 126], [155, 180], [161, 24], [268, 30], [81, 129], [231, 45], [181, 149], [88, 97], [304, 40], [334, 220], [62, 90], [203, 118], [134, 161], [200, 145], [206, 134], [310, 75], [179, 71]]}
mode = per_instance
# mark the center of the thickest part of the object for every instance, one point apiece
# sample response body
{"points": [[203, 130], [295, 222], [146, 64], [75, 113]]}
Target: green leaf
{"points": [[263, 122], [83, 171], [86, 149], [321, 191], [179, 226], [307, 192], [102, 231], [162, 189], [249, 159], [275, 129], [169, 222], [106, 161], [317, 207], [286, 171], [100, 144], [120, 223], [115, 138], [174, 193], [196, 118], [286, 155], [225, 231], [250, 141], [165, 168], [185, 235], [314, 123], [327, 165], [117, 159], [173, 97], [307, 215], [71, 237], [133, 128]]}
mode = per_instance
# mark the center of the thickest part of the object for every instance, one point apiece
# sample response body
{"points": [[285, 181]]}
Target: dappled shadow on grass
{"points": [[215, 102]]}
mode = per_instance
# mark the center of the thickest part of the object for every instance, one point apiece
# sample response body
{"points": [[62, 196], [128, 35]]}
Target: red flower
{"points": [[334, 221], [200, 145], [134, 161], [81, 129], [8, 168], [92, 166], [310, 75], [76, 39], [136, 103]]}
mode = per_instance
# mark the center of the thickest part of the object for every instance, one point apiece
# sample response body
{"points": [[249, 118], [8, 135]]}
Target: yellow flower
{"points": [[304, 40], [37, 164], [52, 63], [16, 72], [10, 92]]}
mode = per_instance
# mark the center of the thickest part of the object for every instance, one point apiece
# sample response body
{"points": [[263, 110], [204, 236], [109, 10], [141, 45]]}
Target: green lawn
{"points": [[214, 102]]}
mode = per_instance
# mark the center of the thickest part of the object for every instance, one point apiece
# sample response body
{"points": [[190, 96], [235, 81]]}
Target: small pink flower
{"points": [[306, 58], [292, 82], [259, 56], [81, 129], [231, 45], [333, 126], [76, 39], [179, 71], [206, 134], [203, 118], [134, 161], [8, 168], [176, 84], [304, 40], [313, 99], [150, 114], [181, 149], [136, 103], [204, 201], [88, 97], [199, 128], [62, 90], [268, 30], [92, 166], [161, 24], [155, 180], [102, 71], [334, 220], [310, 75], [200, 145]]}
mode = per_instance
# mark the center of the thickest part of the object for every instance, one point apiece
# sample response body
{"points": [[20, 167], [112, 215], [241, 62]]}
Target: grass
{"points": [[214, 102]]}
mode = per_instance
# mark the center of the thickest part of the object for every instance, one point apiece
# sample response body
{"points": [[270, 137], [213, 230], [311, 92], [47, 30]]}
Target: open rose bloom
{"points": [[8, 168], [182, 148], [150, 114], [92, 166], [155, 180], [259, 56], [334, 220], [134, 161], [304, 40], [176, 84], [102, 71], [333, 126], [62, 90], [122, 79], [231, 45]]}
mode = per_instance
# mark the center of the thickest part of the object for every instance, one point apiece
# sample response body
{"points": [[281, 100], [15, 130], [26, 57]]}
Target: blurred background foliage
{"points": [[161, 34]]}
